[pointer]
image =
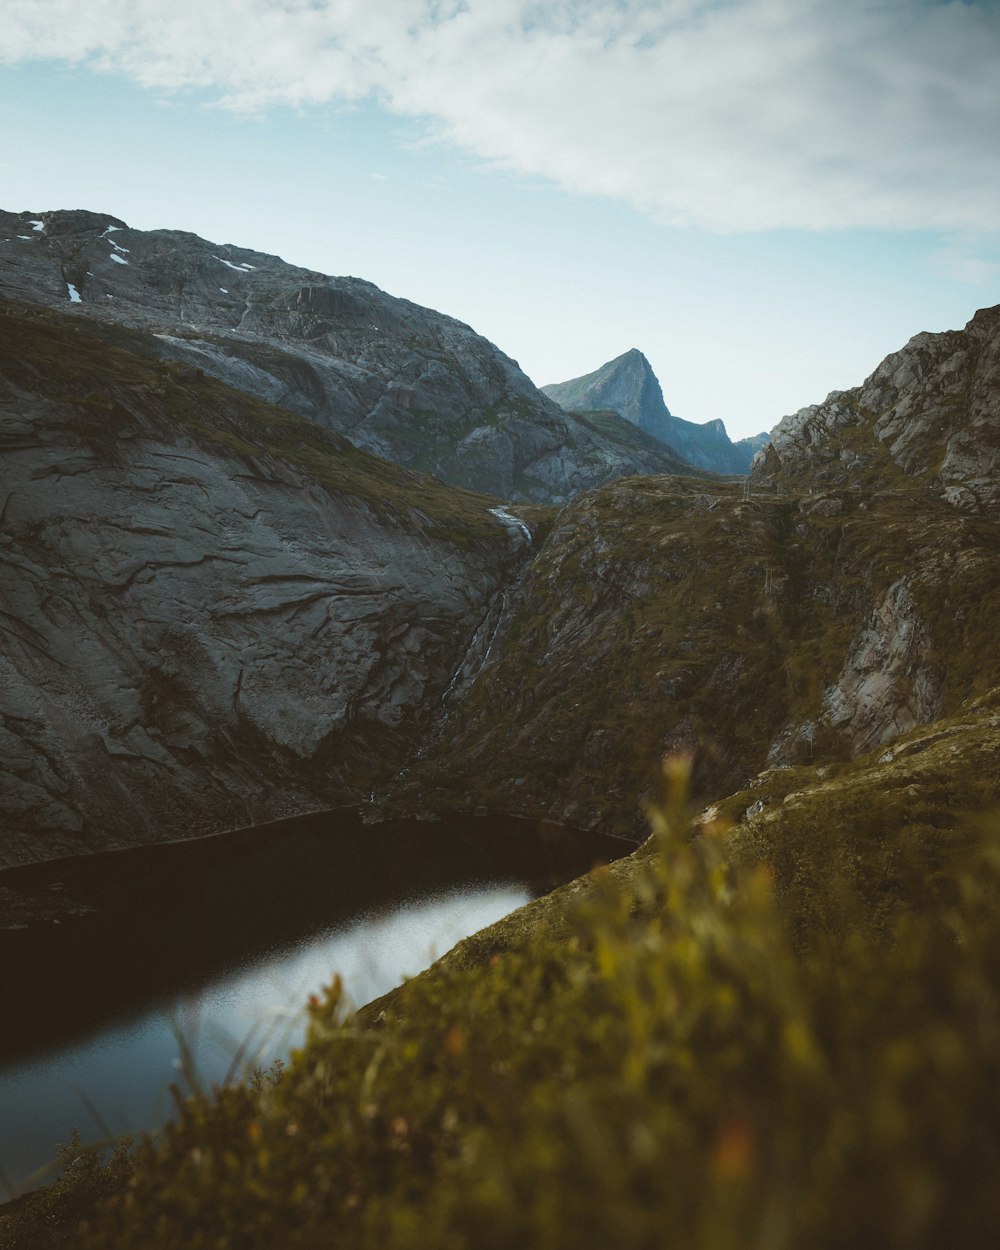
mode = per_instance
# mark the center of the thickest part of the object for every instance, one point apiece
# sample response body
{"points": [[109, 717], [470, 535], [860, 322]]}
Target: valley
{"points": [[288, 546]]}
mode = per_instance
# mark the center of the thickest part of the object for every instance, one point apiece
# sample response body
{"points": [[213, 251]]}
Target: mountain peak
{"points": [[627, 385]]}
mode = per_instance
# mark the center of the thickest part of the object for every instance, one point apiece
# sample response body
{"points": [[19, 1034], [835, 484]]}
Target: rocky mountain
{"points": [[927, 415], [218, 610], [404, 382], [628, 386], [213, 611], [848, 595]]}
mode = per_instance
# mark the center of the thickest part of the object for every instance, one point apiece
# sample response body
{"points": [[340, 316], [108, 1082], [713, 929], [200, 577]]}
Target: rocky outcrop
{"points": [[212, 612], [402, 381], [747, 629], [930, 412], [889, 683], [627, 385]]}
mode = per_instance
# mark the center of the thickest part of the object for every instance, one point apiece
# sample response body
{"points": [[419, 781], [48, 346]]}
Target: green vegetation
{"points": [[668, 613], [774, 1027], [697, 1047]]}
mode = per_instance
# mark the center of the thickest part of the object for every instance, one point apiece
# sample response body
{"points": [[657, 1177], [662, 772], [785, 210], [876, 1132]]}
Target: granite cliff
{"points": [[213, 611], [628, 386], [404, 382]]}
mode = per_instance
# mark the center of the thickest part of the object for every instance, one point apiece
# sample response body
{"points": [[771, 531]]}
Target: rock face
{"points": [[402, 381], [849, 596], [213, 613], [627, 385], [216, 610], [930, 411]]}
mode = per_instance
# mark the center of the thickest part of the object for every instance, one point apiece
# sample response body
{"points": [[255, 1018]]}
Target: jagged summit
{"points": [[929, 412], [627, 385], [407, 383]]}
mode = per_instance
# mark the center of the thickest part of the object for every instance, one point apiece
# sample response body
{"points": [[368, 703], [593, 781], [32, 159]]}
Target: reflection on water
{"points": [[116, 1081]]}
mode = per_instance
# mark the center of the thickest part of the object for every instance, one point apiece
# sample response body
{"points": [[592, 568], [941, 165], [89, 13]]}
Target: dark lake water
{"points": [[219, 942]]}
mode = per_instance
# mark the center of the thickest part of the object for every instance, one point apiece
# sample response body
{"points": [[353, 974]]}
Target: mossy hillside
{"points": [[670, 1052], [666, 613], [870, 837], [110, 385]]}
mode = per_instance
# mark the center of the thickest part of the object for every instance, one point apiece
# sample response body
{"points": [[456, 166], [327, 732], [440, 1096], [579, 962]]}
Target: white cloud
{"points": [[730, 114]]}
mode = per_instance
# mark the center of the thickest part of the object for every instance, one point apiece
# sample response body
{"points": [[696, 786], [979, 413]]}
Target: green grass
{"points": [[669, 1052]]}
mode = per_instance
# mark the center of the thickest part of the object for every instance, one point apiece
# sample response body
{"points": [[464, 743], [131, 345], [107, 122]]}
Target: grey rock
{"points": [[404, 382], [627, 385], [932, 410], [889, 683], [201, 633]]}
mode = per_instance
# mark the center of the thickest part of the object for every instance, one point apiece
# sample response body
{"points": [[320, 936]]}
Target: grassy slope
{"points": [[784, 1034], [668, 613]]}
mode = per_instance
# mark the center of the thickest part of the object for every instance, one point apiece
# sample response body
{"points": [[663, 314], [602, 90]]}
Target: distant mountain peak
{"points": [[627, 385]]}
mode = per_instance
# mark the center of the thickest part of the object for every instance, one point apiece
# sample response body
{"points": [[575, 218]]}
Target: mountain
{"points": [[627, 385], [214, 612], [927, 415], [217, 611], [402, 381], [847, 596]]}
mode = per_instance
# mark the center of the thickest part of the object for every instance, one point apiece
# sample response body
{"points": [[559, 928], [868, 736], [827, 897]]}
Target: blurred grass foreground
{"points": [[778, 1026]]}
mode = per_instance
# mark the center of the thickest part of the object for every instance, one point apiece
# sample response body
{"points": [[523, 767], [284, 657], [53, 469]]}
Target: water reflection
{"points": [[116, 1080]]}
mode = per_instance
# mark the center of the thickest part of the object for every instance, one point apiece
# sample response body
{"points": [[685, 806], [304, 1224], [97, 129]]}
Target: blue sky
{"points": [[764, 196]]}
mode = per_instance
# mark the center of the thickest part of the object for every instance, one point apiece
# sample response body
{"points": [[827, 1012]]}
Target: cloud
{"points": [[725, 114]]}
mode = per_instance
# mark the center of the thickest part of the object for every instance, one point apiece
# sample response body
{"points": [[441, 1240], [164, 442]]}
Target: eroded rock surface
{"points": [[201, 630], [405, 382], [931, 410]]}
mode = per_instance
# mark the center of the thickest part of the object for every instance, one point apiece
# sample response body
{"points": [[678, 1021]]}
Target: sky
{"points": [[764, 196]]}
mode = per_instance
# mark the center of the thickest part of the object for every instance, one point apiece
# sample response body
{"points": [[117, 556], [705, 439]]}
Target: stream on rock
{"points": [[122, 961]]}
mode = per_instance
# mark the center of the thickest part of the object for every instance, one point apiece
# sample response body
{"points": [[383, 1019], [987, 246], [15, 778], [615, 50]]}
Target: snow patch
{"points": [[223, 290], [74, 294], [38, 226], [118, 247], [235, 268], [29, 237], [119, 260], [109, 230]]}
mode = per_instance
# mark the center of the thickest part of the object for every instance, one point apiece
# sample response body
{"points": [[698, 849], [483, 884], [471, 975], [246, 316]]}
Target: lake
{"points": [[129, 958]]}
